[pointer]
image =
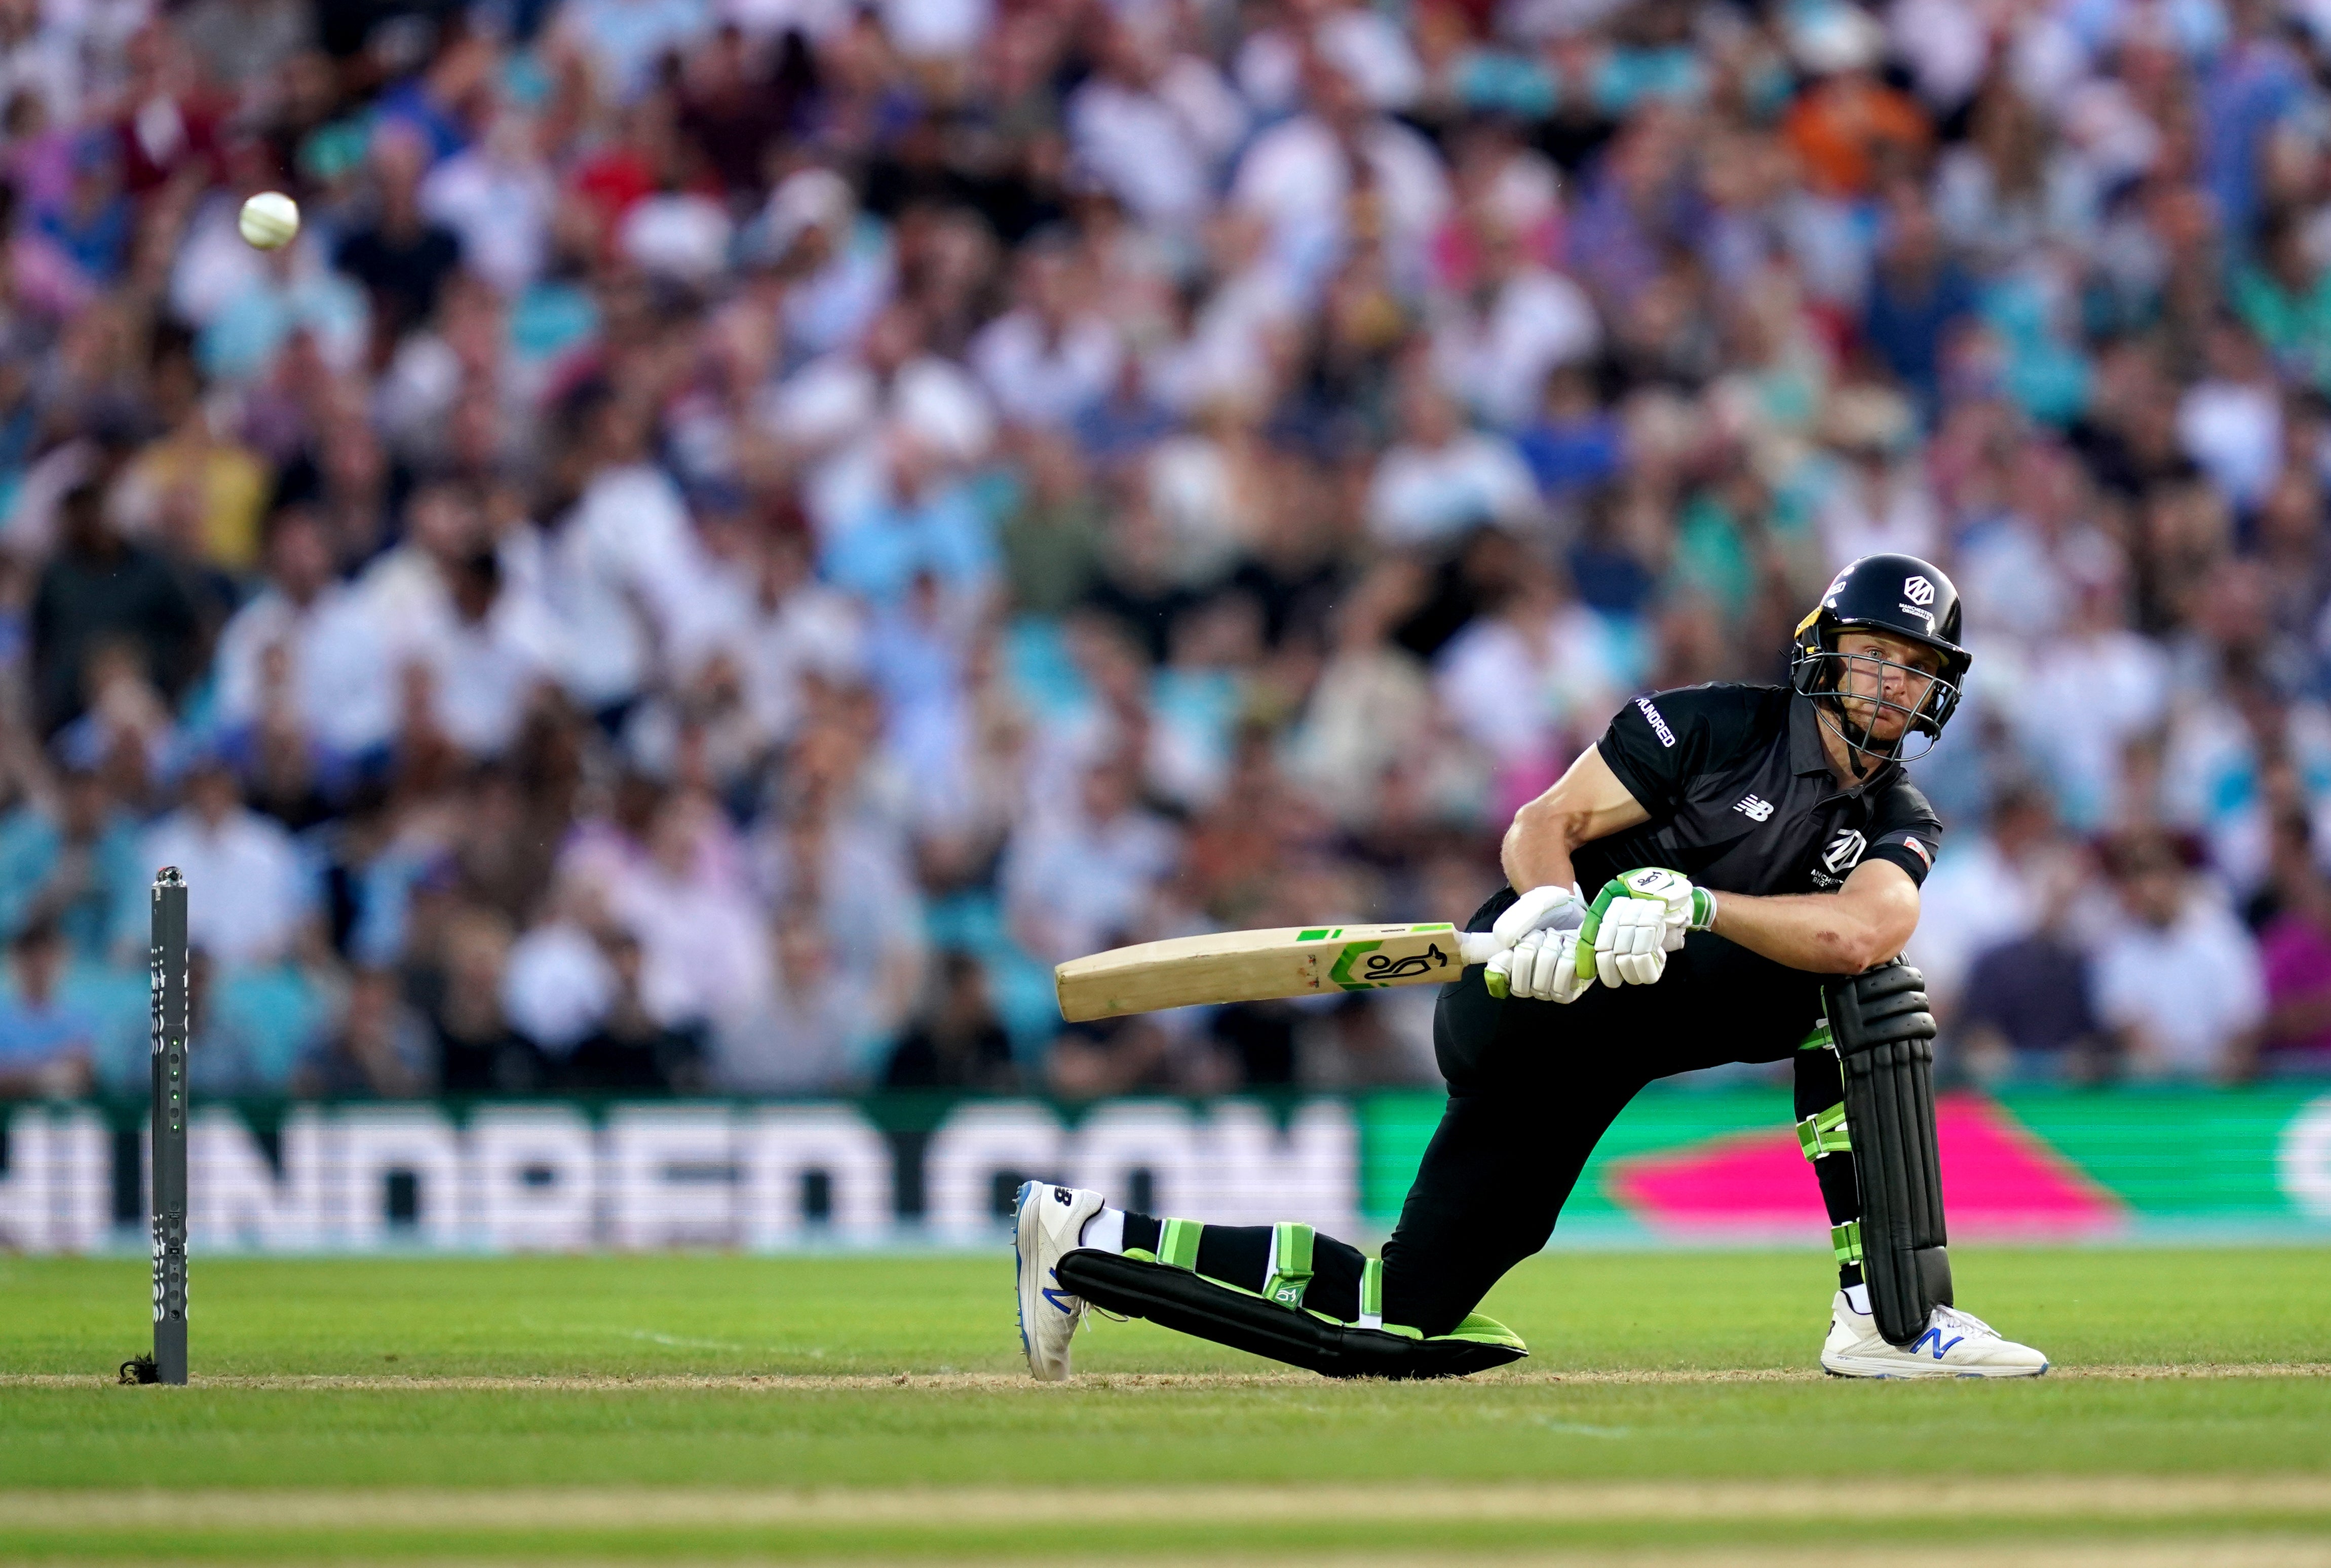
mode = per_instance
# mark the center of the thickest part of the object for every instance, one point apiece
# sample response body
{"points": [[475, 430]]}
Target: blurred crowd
{"points": [[742, 531]]}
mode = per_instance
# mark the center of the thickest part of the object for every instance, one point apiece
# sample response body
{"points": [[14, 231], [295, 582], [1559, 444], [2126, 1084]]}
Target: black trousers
{"points": [[1533, 1085]]}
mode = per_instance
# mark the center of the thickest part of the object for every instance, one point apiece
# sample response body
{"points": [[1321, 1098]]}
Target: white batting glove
{"points": [[1637, 920], [1551, 914], [1543, 967], [1630, 944], [1553, 907]]}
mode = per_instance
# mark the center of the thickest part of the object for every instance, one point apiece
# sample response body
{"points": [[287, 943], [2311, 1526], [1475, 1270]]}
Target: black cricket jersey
{"points": [[1742, 801]]}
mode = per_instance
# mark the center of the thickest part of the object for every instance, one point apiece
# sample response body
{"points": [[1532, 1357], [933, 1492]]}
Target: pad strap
{"points": [[1825, 1133], [1372, 1294], [1177, 1244], [1288, 1273], [1845, 1242], [1819, 1038]]}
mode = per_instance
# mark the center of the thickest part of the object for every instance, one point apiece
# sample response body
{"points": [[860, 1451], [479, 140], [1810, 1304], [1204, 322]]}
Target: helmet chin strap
{"points": [[1857, 736]]}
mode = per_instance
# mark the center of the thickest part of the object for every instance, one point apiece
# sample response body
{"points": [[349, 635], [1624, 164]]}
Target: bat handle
{"points": [[1478, 946]]}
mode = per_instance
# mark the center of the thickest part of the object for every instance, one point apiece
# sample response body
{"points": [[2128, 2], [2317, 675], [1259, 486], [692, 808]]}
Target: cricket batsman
{"points": [[1730, 875]]}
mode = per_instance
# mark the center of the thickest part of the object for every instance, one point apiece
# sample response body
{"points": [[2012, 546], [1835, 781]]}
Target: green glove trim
{"points": [[1582, 958]]}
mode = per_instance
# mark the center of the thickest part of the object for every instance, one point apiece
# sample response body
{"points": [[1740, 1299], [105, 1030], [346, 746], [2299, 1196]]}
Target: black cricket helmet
{"points": [[1900, 596]]}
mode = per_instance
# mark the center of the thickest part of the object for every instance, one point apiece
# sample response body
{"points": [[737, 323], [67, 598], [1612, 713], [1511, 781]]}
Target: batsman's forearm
{"points": [[1825, 933]]}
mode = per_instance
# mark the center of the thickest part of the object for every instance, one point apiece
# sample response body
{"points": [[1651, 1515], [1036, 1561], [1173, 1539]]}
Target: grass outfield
{"points": [[720, 1408]]}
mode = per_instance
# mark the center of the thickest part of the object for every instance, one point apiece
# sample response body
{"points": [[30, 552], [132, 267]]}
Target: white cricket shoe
{"points": [[1051, 1220], [1955, 1344]]}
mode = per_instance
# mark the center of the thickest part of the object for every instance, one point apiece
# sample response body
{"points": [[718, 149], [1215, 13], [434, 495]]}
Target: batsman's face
{"points": [[1884, 681]]}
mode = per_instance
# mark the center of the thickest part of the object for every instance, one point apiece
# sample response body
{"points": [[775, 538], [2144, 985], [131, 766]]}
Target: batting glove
{"points": [[1543, 967], [1553, 907], [1636, 921]]}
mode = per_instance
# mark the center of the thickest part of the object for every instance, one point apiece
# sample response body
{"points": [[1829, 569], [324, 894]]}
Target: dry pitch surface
{"points": [[705, 1409]]}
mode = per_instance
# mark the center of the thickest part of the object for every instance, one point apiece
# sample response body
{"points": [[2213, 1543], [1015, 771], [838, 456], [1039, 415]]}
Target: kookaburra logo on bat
{"points": [[1377, 966]]}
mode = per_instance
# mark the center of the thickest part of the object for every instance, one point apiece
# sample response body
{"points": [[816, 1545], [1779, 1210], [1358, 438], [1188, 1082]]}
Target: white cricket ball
{"points": [[269, 220]]}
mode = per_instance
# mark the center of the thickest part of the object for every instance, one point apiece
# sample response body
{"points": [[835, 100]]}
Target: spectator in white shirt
{"points": [[833, 413], [701, 935], [1153, 126], [2178, 980], [856, 879], [488, 652], [249, 892], [619, 570], [498, 196], [797, 630], [341, 665], [1074, 884], [1494, 345], [1365, 43], [2116, 681], [809, 1037], [1985, 891], [1299, 176], [936, 32], [1051, 359], [838, 263], [2232, 422], [403, 588], [558, 986], [1536, 670], [1441, 480], [681, 236]]}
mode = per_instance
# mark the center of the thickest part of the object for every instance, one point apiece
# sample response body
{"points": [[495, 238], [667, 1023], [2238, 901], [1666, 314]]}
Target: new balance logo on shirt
{"points": [[1754, 808]]}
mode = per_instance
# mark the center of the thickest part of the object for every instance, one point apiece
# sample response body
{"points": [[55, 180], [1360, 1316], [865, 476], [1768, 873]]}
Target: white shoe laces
{"points": [[1951, 1317]]}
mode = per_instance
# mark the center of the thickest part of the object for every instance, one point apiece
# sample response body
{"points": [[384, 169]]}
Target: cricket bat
{"points": [[1259, 965]]}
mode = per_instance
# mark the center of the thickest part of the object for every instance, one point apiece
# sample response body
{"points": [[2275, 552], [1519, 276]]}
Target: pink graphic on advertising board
{"points": [[1998, 1180]]}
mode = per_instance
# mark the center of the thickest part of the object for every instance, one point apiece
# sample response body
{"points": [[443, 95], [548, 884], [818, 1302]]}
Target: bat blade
{"points": [[1257, 966]]}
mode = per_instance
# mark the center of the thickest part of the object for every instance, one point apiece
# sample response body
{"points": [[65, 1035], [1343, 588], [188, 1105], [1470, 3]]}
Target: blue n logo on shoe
{"points": [[1059, 1298], [1941, 1344]]}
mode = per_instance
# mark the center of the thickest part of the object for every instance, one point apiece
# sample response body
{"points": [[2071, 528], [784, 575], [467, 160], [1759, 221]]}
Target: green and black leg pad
{"points": [[1885, 1038], [1191, 1304]]}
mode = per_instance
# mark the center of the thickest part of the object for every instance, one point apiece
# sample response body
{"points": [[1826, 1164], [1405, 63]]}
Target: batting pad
{"points": [[1191, 1304], [1886, 1045]]}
